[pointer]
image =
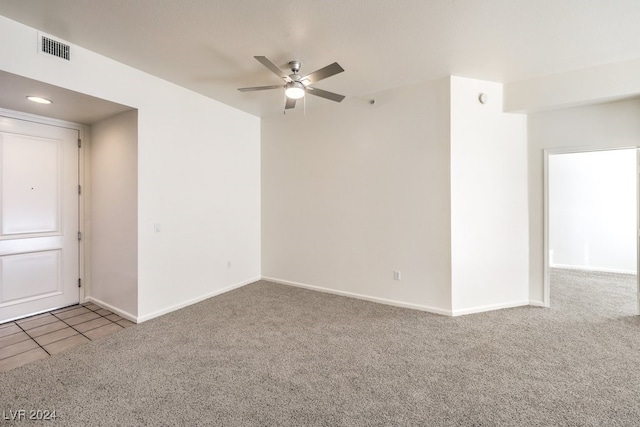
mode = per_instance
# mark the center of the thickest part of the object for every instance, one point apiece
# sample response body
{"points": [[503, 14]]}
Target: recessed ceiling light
{"points": [[39, 100]]}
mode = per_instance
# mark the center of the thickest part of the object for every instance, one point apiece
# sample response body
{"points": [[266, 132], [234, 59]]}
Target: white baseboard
{"points": [[538, 304], [113, 309], [191, 301], [395, 303], [491, 307], [598, 269]]}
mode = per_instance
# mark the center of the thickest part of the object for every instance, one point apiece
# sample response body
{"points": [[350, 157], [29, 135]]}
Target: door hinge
{"points": [[79, 235], [79, 282], [79, 143], [79, 189]]}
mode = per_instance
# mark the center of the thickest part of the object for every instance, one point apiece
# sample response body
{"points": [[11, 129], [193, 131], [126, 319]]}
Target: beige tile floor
{"points": [[36, 337]]}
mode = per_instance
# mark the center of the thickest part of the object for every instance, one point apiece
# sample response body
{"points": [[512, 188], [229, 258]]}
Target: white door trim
{"points": [[83, 135], [638, 227], [569, 150]]}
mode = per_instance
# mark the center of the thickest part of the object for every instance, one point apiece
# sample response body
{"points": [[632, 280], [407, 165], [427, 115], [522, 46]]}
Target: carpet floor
{"points": [[273, 355]]}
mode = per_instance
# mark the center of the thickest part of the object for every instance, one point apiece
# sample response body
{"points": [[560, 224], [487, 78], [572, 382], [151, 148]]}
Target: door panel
{"points": [[38, 218], [29, 276], [31, 197]]}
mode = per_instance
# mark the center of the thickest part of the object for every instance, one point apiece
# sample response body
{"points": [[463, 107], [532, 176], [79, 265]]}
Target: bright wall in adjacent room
{"points": [[601, 126], [592, 210]]}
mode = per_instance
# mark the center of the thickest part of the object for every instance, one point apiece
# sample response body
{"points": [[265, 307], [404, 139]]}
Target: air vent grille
{"points": [[55, 48]]}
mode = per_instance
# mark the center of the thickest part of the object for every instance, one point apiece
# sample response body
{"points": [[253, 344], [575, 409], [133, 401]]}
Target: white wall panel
{"points": [[489, 216], [114, 212], [354, 191]]}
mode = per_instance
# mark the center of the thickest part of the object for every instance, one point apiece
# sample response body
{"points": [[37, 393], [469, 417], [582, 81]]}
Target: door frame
{"points": [[546, 296], [83, 155]]}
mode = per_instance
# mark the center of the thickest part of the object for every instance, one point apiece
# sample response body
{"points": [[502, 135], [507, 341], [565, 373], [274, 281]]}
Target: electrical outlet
{"points": [[397, 275]]}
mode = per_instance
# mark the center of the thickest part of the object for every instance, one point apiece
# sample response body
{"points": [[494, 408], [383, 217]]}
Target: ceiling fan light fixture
{"points": [[296, 86], [294, 90]]}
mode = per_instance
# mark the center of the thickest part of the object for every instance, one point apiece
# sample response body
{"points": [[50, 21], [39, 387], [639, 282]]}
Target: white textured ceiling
{"points": [[208, 45]]}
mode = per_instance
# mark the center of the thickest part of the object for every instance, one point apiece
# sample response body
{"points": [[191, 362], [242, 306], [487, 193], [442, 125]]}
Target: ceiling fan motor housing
{"points": [[295, 66]]}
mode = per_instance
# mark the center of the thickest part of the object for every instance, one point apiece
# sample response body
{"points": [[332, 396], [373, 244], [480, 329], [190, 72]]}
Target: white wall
{"points": [[592, 210], [112, 220], [489, 221], [601, 126], [426, 181], [354, 191], [198, 173], [199, 178]]}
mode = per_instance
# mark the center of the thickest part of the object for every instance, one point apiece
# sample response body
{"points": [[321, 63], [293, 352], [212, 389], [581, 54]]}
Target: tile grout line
{"points": [[21, 329], [81, 333], [9, 324], [33, 339], [26, 328], [66, 309], [14, 334], [100, 308], [28, 335], [18, 342], [70, 326], [62, 320]]}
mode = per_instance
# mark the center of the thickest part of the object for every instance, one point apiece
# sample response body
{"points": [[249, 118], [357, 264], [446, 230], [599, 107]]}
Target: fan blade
{"points": [[324, 94], [249, 89], [322, 73], [273, 67], [291, 103]]}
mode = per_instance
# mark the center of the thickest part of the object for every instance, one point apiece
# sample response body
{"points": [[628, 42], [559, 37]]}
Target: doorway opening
{"points": [[591, 223]]}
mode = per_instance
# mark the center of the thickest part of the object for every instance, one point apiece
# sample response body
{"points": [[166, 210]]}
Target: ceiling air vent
{"points": [[55, 48]]}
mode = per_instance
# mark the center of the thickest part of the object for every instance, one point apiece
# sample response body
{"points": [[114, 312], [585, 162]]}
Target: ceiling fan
{"points": [[296, 85]]}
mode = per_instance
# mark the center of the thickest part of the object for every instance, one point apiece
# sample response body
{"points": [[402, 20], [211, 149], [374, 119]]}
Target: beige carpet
{"points": [[269, 354]]}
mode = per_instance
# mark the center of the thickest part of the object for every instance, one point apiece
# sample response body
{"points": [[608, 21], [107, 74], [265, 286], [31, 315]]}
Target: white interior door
{"points": [[38, 218]]}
